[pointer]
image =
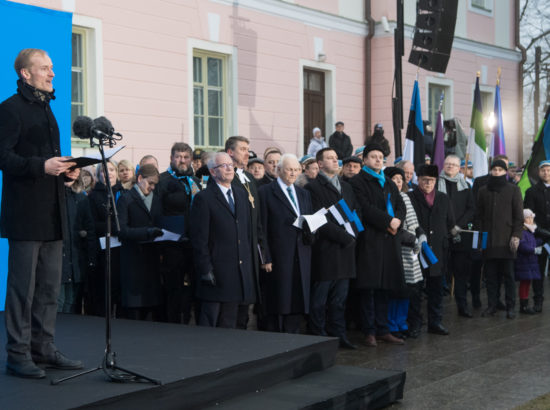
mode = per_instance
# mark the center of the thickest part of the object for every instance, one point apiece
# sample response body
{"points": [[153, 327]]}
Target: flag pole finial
{"points": [[499, 72], [478, 74]]}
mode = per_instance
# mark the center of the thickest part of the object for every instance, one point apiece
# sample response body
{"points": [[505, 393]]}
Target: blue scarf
{"points": [[191, 187], [379, 176], [382, 181]]}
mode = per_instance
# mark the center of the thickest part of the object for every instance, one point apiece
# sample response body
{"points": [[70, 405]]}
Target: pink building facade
{"points": [[200, 71]]}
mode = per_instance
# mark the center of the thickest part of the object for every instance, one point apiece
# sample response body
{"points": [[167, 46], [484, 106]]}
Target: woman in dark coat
{"points": [[94, 298], [527, 265], [139, 212], [499, 212]]}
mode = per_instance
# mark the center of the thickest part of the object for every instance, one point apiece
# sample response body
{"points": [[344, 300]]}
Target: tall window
{"points": [[78, 95], [434, 96], [209, 98]]}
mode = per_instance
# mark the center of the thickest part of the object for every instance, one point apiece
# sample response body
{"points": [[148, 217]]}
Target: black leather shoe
{"points": [[465, 313], [538, 307], [26, 369], [346, 344], [490, 311], [58, 361], [438, 330]]}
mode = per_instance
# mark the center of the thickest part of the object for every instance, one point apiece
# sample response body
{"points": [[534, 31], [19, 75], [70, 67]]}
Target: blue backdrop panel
{"points": [[23, 26]]}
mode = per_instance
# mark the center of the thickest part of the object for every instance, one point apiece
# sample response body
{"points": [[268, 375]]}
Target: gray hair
{"points": [[212, 160], [286, 157]]}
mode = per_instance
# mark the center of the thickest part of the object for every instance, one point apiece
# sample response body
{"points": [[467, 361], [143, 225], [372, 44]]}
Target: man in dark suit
{"points": [[177, 188], [288, 249], [436, 218], [537, 199], [33, 217], [378, 249], [238, 149], [222, 238], [333, 261]]}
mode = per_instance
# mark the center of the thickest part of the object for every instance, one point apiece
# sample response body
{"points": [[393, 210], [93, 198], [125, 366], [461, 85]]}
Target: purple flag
{"points": [[498, 147]]}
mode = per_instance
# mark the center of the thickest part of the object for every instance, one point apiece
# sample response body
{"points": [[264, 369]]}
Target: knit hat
{"points": [[528, 213]]}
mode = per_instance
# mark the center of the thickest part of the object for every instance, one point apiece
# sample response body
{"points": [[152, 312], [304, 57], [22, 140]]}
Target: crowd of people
{"points": [[220, 236], [241, 252]]}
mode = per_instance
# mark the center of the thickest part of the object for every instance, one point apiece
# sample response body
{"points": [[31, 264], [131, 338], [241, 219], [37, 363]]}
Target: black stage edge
{"points": [[198, 367]]}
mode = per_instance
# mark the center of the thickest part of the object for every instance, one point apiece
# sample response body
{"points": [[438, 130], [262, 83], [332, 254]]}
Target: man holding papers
{"points": [[288, 249], [333, 259]]}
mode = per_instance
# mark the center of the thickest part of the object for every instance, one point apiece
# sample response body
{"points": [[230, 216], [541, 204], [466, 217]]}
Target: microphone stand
{"points": [[109, 364]]}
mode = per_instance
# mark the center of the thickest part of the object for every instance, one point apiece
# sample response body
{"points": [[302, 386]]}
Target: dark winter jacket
{"points": [[33, 203], [526, 263], [341, 143]]}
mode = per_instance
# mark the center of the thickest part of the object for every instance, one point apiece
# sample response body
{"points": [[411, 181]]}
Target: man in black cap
{"points": [[197, 159], [435, 216], [499, 211], [378, 250], [340, 142], [351, 166]]}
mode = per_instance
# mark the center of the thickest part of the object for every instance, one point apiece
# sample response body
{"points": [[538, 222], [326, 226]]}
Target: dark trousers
{"points": [[149, 313], [290, 323], [475, 278], [243, 317], [538, 284], [177, 285], [34, 277], [219, 314], [434, 288], [414, 316], [374, 311], [460, 266], [499, 271], [328, 307]]}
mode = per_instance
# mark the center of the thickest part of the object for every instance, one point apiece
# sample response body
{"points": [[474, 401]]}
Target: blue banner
{"points": [[24, 26]]}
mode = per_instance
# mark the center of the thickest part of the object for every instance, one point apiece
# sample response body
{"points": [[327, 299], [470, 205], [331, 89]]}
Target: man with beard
{"points": [[33, 217], [177, 188], [238, 149]]}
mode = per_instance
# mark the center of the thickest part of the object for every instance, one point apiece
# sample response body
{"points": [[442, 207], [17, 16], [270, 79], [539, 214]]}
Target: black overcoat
{"points": [[140, 282], [463, 205], [33, 203], [378, 253], [341, 143], [500, 213], [286, 249], [537, 199], [79, 244], [436, 222], [333, 253], [222, 245]]}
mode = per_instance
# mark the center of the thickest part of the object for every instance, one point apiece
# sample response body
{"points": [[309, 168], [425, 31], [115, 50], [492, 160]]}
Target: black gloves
{"points": [[153, 233], [208, 279]]}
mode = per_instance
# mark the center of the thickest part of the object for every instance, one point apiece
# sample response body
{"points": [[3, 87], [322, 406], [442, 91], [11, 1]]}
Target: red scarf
{"points": [[429, 197]]}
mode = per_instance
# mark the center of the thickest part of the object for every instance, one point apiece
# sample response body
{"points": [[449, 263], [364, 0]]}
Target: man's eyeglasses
{"points": [[226, 166]]}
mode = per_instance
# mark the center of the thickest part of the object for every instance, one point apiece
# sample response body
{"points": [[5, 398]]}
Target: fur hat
{"points": [[352, 159], [499, 163], [372, 146], [426, 170], [390, 172]]}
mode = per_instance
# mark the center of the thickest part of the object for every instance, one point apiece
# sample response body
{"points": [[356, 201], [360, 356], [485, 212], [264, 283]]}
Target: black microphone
{"points": [[82, 126], [102, 126]]}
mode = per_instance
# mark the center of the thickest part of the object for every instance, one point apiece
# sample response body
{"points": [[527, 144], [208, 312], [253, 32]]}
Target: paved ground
{"points": [[485, 363]]}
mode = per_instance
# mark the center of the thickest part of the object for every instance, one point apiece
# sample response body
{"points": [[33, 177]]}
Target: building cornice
{"points": [[301, 14]]}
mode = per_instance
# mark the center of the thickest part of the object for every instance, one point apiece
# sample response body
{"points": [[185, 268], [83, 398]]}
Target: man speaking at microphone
{"points": [[33, 217]]}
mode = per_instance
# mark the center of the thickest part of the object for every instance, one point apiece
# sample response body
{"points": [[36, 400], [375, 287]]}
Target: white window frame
{"points": [[93, 58], [231, 100], [448, 100], [487, 9]]}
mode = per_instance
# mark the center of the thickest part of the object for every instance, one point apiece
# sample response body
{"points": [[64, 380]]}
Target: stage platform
{"points": [[201, 367]]}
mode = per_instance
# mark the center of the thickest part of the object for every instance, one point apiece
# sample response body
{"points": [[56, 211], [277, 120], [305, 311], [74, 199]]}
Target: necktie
{"points": [[291, 195], [230, 200]]}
